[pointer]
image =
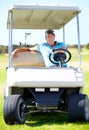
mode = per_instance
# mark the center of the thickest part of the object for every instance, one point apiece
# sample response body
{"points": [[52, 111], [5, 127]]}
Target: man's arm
{"points": [[23, 49]]}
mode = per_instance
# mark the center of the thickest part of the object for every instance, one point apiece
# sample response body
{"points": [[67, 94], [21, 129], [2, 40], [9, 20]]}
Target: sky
{"points": [[19, 36]]}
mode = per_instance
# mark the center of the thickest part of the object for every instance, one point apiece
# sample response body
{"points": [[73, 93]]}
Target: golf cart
{"points": [[30, 85]]}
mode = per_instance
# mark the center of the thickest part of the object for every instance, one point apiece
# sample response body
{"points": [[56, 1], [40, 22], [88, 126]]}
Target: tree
{"points": [[87, 45]]}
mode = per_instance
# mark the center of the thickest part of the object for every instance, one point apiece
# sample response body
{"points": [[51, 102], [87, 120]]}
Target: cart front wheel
{"points": [[78, 108], [13, 111]]}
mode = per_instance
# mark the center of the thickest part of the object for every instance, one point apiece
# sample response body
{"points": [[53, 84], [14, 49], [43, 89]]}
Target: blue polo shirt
{"points": [[45, 50]]}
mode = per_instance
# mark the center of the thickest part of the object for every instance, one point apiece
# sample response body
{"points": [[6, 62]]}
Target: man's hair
{"points": [[49, 31]]}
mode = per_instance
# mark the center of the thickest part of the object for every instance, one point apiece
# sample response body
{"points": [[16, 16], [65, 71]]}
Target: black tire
{"points": [[13, 111], [78, 108]]}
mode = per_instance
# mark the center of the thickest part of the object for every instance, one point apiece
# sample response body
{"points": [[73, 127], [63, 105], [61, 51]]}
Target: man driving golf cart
{"points": [[46, 48]]}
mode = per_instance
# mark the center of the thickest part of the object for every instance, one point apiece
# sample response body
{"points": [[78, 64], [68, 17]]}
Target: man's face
{"points": [[50, 38]]}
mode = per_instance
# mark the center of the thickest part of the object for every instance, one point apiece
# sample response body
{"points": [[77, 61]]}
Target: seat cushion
{"points": [[28, 59]]}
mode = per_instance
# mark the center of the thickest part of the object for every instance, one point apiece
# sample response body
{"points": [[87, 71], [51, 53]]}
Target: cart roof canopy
{"points": [[40, 16]]}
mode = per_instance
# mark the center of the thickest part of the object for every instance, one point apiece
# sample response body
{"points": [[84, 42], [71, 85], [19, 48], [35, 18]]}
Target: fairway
{"points": [[46, 121]]}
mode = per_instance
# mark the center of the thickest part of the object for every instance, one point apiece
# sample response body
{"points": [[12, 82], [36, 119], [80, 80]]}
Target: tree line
{"points": [[4, 49]]}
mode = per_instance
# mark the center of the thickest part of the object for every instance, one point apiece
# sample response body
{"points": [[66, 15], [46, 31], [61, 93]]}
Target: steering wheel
{"points": [[59, 56]]}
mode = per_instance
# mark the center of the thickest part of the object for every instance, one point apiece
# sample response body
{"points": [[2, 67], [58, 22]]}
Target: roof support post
{"points": [[10, 40], [64, 33], [79, 46]]}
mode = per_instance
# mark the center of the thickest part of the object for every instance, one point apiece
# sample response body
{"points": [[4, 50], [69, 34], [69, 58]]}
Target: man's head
{"points": [[50, 37]]}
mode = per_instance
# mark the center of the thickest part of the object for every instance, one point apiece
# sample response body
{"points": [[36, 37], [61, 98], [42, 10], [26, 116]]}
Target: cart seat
{"points": [[29, 59]]}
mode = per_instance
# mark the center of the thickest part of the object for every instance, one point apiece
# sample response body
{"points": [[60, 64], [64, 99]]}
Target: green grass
{"points": [[44, 121]]}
